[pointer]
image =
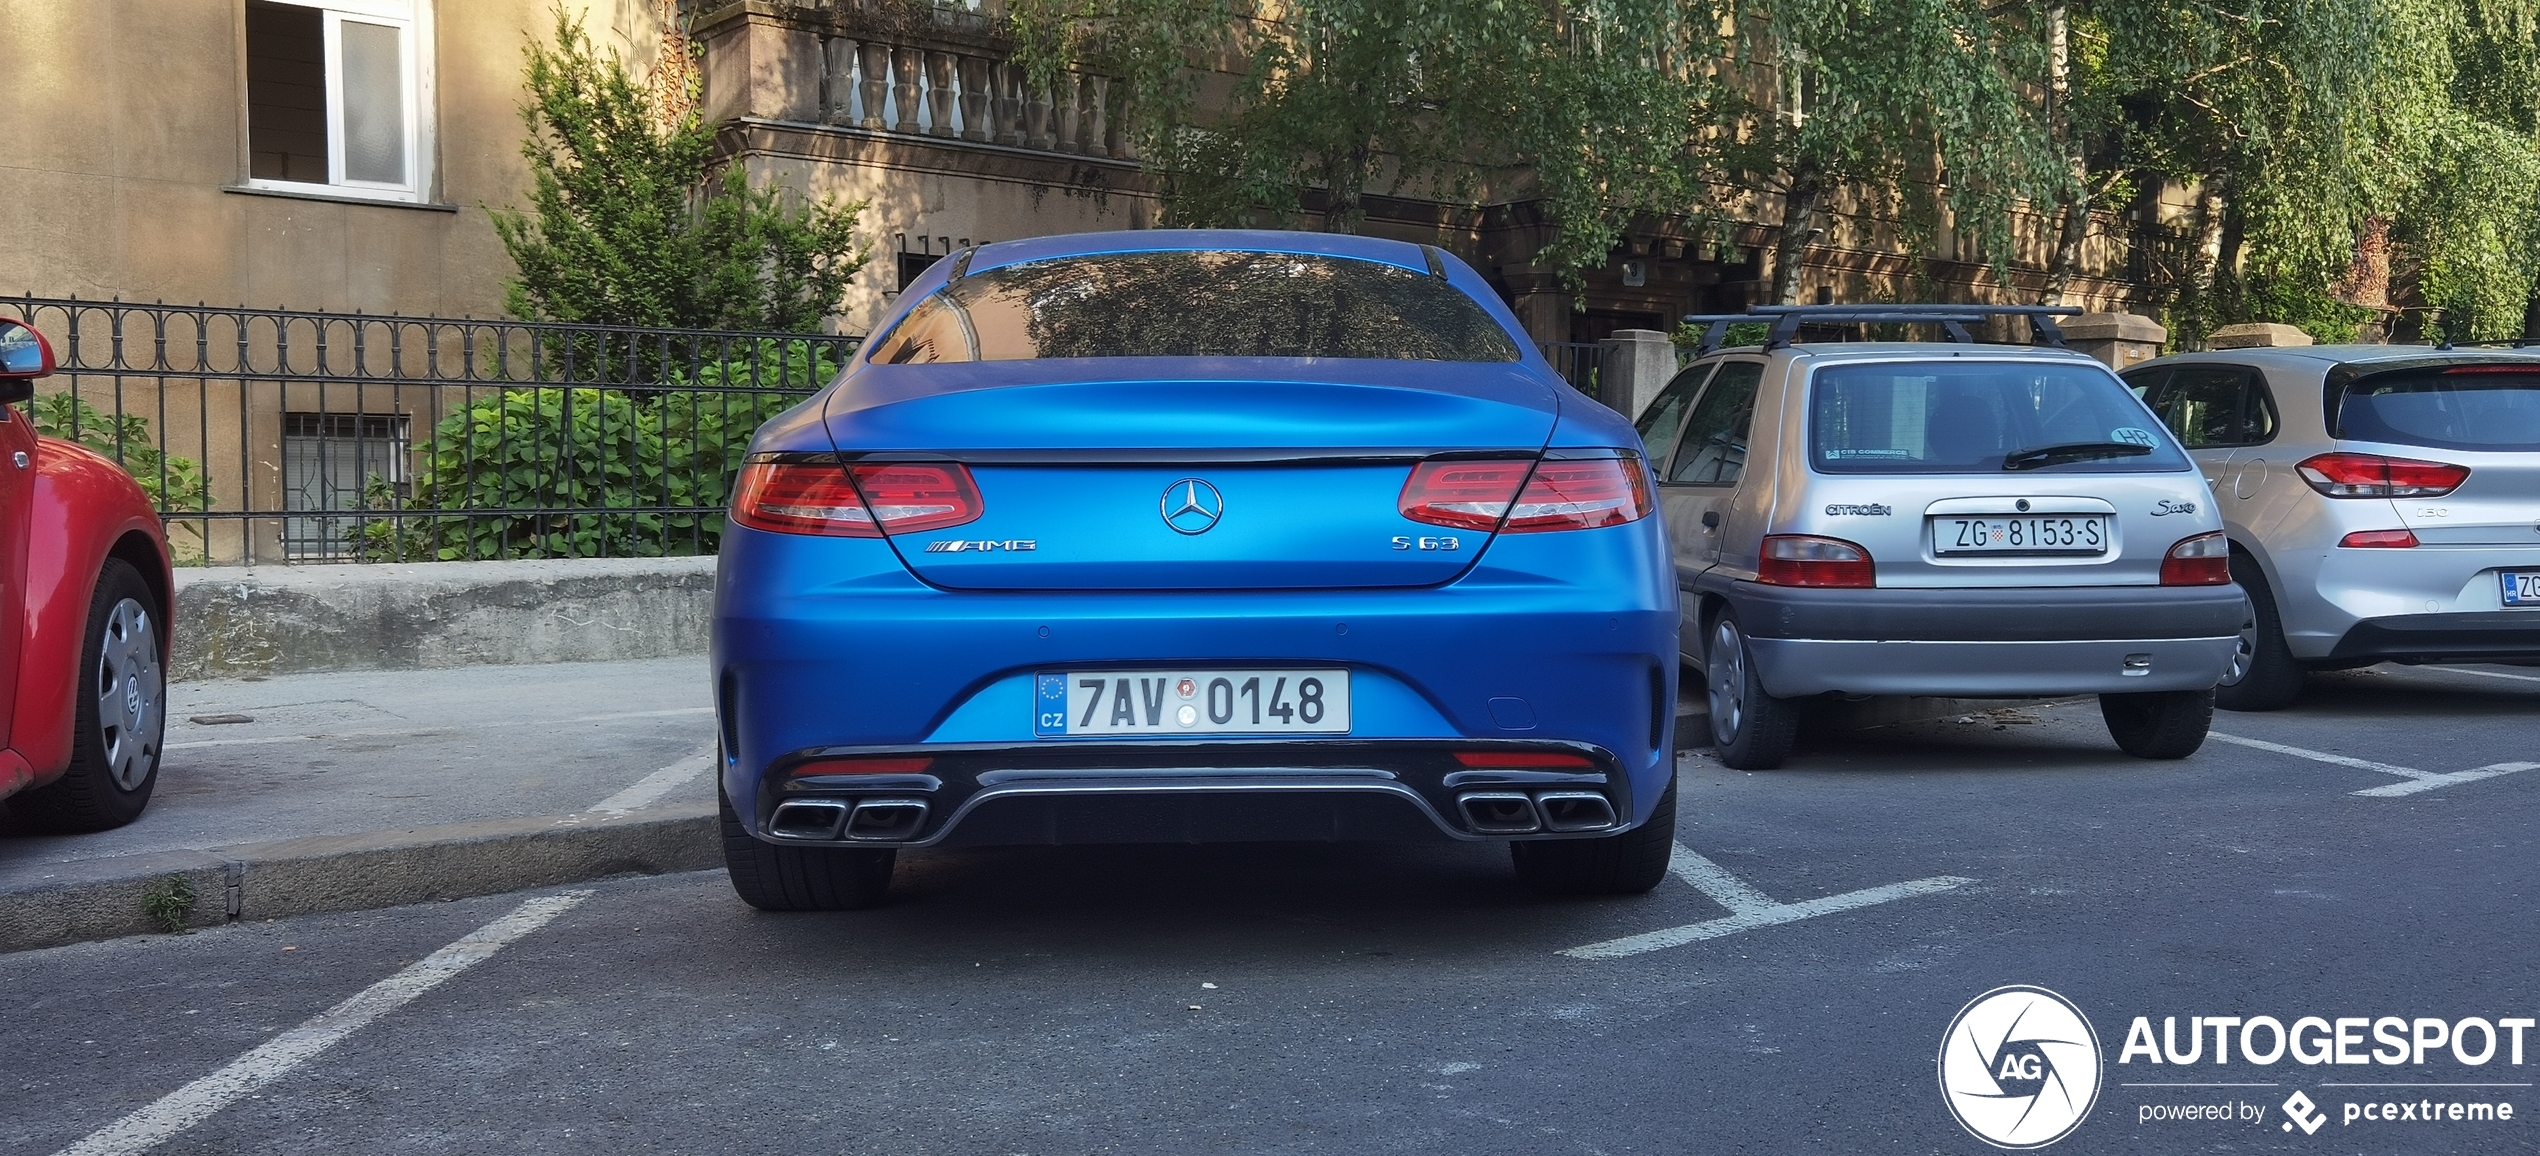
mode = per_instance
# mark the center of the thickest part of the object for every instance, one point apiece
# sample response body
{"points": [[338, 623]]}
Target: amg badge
{"points": [[958, 546]]}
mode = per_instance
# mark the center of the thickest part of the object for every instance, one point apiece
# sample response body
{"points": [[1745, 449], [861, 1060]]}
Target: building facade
{"points": [[341, 156]]}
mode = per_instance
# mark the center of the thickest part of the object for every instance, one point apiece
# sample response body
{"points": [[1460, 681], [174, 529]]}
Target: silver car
{"points": [[2383, 502], [1959, 520]]}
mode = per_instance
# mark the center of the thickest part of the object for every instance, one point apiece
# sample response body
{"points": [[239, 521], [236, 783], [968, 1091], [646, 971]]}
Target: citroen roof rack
{"points": [[1954, 319]]}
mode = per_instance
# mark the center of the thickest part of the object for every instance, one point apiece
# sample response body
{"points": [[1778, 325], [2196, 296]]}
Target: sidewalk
{"points": [[376, 787]]}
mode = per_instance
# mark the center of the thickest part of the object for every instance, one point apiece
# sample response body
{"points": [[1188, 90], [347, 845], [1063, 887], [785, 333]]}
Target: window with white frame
{"points": [[339, 97]]}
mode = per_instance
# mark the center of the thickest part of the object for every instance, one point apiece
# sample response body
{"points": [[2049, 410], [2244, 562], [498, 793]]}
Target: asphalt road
{"points": [[1373, 998]]}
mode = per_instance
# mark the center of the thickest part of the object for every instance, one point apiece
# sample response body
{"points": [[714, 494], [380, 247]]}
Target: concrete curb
{"points": [[233, 621], [108, 898]]}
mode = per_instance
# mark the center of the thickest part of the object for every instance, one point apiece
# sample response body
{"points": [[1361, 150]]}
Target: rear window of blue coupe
{"points": [[1197, 303]]}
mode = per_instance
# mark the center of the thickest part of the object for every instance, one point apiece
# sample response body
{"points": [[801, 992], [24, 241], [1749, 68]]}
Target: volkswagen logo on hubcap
{"points": [[1191, 506]]}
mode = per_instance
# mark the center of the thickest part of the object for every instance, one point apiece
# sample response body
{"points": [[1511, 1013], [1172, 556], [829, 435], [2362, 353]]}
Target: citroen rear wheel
{"points": [[1752, 730], [2159, 724]]}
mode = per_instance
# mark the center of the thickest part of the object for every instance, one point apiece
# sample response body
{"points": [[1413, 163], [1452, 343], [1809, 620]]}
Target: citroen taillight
{"points": [[2201, 560], [1807, 560]]}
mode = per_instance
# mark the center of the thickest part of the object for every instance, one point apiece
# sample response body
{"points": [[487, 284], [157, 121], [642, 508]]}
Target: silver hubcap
{"points": [[1728, 681], [2246, 654], [131, 695]]}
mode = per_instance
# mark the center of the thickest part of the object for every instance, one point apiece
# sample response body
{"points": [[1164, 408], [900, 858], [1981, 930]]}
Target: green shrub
{"points": [[176, 485], [529, 449]]}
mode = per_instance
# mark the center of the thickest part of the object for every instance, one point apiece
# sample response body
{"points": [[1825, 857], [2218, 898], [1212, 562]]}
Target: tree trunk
{"points": [[2076, 222], [1799, 227], [1347, 174], [2209, 236], [2075, 229]]}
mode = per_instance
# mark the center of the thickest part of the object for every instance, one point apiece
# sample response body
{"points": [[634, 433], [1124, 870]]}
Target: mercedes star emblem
{"points": [[1191, 506]]}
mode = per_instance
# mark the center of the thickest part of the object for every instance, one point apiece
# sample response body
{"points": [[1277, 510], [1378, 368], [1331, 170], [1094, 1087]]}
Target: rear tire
{"points": [[1627, 864], [119, 714], [2168, 724], [1752, 730], [774, 878], [2269, 677]]}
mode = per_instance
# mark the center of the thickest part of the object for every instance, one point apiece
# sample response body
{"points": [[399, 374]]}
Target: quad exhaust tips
{"points": [[1499, 813], [868, 820], [1515, 813], [1574, 811], [886, 820]]}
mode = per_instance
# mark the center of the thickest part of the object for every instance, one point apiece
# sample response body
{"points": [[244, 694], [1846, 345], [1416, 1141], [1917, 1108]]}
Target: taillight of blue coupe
{"points": [[1192, 536]]}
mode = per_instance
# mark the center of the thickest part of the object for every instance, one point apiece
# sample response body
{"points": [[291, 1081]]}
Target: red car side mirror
{"points": [[24, 356]]}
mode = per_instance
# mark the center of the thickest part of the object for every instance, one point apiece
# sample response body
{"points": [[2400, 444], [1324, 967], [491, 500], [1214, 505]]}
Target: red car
{"points": [[85, 592]]}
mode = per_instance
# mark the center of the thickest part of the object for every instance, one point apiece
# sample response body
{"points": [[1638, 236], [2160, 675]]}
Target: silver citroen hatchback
{"points": [[1958, 520], [2383, 502]]}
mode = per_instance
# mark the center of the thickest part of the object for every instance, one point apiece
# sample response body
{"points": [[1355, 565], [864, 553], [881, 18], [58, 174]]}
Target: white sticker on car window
{"points": [[2132, 436]]}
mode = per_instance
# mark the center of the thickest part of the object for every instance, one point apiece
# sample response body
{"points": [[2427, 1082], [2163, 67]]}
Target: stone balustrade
{"points": [[887, 85]]}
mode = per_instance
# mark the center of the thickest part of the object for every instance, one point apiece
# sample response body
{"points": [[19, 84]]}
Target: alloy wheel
{"points": [[2244, 655]]}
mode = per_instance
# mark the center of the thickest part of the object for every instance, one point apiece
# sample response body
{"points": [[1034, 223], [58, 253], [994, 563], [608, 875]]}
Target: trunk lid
{"points": [[1219, 476], [2481, 413]]}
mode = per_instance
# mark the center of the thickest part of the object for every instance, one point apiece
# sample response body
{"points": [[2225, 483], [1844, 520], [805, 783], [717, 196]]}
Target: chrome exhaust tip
{"points": [[1575, 811], [1499, 813], [886, 820], [807, 819]]}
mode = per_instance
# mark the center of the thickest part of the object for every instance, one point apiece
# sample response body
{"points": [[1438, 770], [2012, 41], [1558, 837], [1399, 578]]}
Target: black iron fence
{"points": [[275, 435], [268, 435], [1575, 361]]}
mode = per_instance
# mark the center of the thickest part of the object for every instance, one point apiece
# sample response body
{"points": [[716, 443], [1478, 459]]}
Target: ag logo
{"points": [[2020, 1067]]}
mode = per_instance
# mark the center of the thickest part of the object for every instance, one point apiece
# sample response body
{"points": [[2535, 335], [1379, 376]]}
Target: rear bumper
{"points": [[2476, 637], [1988, 642], [1794, 667], [1212, 792], [828, 644], [1987, 614]]}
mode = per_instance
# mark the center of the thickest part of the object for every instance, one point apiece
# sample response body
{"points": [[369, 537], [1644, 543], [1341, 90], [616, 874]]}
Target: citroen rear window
{"points": [[1924, 417], [2453, 407], [1197, 303]]}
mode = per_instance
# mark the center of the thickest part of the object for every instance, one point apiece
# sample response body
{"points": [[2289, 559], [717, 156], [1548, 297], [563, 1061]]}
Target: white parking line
{"points": [[2416, 780], [2321, 756], [649, 789], [1750, 908], [196, 1102], [2430, 782], [2480, 673]]}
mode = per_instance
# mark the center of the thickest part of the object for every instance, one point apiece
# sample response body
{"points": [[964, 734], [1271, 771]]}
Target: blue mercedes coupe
{"points": [[1193, 536]]}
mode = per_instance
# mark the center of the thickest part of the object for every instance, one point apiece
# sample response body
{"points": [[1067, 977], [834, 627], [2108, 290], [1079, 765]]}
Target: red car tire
{"points": [[120, 714]]}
